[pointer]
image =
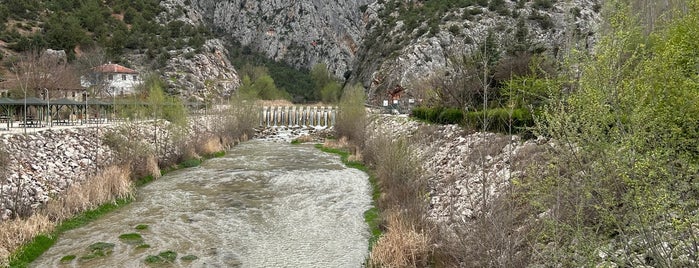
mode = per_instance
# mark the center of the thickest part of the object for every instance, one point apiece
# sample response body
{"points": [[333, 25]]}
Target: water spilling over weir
{"points": [[263, 205], [290, 116]]}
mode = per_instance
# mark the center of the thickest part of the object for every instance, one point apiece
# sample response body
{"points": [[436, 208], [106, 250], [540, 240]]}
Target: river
{"points": [[264, 204]]}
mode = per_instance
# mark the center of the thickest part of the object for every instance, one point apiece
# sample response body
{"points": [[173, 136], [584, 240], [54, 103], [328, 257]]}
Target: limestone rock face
{"points": [[301, 32], [395, 55], [202, 75], [193, 73]]}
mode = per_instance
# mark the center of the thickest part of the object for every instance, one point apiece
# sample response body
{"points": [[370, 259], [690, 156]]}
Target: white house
{"points": [[114, 78]]}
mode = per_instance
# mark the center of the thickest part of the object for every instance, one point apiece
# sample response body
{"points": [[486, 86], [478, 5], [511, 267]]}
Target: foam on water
{"points": [[263, 205]]}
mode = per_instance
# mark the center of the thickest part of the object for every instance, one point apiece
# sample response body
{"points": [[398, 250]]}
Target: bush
{"points": [[351, 118], [500, 120], [544, 20], [455, 29], [542, 4], [439, 115], [450, 116]]}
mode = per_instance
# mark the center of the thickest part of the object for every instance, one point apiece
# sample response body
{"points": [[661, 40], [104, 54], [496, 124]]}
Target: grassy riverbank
{"points": [[42, 242], [371, 216]]}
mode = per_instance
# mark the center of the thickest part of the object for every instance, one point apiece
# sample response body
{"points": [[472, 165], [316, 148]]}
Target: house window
{"points": [[134, 78], [73, 94], [123, 77], [111, 77]]}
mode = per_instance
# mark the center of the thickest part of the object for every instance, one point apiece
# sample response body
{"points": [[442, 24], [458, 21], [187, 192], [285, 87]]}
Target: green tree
{"points": [[351, 118], [320, 77], [64, 32], [330, 93], [261, 88], [627, 160]]}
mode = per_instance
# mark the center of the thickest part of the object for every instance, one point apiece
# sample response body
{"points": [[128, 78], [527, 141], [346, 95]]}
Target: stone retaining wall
{"points": [[45, 163]]}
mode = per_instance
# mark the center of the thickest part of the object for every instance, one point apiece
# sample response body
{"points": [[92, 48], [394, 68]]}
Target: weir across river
{"points": [[291, 116]]}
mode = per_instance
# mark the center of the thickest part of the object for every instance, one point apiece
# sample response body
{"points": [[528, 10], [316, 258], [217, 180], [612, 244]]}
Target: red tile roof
{"points": [[114, 68]]}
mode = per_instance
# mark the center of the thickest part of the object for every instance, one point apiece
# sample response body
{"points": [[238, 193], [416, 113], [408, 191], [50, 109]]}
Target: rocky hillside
{"points": [[302, 32], [195, 73], [380, 44], [384, 44], [409, 42]]}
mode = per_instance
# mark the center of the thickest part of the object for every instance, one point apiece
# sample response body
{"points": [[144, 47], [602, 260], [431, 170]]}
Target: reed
{"points": [[17, 232], [209, 145], [402, 245], [111, 184]]}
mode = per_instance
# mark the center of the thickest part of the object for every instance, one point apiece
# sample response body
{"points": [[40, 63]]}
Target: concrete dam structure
{"points": [[298, 116]]}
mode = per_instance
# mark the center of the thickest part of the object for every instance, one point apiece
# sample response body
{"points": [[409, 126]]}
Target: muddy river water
{"points": [[264, 204]]}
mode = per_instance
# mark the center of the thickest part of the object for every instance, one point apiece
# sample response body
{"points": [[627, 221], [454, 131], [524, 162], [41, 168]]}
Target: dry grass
{"points": [[209, 145], [111, 184], [145, 165], [14, 233], [343, 142], [402, 245]]}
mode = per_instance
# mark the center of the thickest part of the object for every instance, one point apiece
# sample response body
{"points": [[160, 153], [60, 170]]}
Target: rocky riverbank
{"points": [[43, 164], [461, 168]]}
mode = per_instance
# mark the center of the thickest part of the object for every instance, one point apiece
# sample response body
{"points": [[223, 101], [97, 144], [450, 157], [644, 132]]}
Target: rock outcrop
{"points": [[204, 75], [396, 54], [301, 33], [200, 73]]}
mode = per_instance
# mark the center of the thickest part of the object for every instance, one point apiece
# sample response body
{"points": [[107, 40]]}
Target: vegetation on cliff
{"points": [[617, 182], [113, 25]]}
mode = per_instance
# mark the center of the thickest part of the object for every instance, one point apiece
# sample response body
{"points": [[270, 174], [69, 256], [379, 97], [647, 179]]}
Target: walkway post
{"points": [[48, 108]]}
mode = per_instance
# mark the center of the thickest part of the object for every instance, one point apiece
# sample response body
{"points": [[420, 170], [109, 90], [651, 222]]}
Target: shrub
{"points": [[351, 118], [238, 121], [403, 245], [500, 120], [543, 4], [402, 202], [399, 174], [544, 20], [439, 115], [450, 116], [455, 29]]}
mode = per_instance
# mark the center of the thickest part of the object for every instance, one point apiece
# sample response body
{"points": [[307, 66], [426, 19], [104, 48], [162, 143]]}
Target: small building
{"points": [[114, 79]]}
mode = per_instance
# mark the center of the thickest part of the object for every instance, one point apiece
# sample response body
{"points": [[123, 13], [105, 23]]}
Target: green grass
{"points": [[68, 258], [32, 250], [163, 257], [99, 249], [152, 259], [189, 257], [102, 246], [194, 162], [145, 180], [131, 238], [215, 155], [169, 255], [141, 227], [143, 246], [41, 243], [371, 216]]}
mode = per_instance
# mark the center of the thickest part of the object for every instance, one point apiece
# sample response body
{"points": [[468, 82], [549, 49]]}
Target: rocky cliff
{"points": [[198, 73], [401, 50], [299, 32], [383, 44]]}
